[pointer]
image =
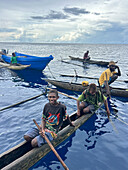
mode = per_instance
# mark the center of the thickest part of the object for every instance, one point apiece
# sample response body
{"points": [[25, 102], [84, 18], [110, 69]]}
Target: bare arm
{"points": [[78, 110], [105, 102], [119, 72], [107, 108], [43, 123]]}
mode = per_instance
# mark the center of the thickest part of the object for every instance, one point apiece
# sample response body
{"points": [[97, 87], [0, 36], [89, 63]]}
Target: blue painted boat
{"points": [[38, 63]]}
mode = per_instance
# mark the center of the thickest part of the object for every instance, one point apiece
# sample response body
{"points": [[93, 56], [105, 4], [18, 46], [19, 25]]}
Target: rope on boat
{"points": [[51, 72]]}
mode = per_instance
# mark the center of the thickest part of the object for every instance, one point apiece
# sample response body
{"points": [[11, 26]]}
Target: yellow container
{"points": [[85, 83]]}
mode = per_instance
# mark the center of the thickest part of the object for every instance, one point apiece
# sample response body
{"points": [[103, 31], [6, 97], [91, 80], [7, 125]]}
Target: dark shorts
{"points": [[34, 133], [91, 106]]}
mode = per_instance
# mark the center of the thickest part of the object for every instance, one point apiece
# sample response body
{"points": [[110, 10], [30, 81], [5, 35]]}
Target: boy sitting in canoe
{"points": [[52, 119], [14, 59], [109, 76], [89, 101]]}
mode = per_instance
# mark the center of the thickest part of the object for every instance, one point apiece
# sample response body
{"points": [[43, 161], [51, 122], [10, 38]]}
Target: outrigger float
{"points": [[119, 92], [23, 156], [13, 67]]}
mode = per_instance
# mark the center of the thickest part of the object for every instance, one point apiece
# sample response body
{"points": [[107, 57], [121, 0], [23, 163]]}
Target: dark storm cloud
{"points": [[76, 11], [36, 17], [52, 15], [95, 13]]}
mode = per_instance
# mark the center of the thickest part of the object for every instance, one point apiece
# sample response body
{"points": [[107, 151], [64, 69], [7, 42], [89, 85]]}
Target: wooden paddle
{"points": [[64, 94], [51, 146], [105, 101]]}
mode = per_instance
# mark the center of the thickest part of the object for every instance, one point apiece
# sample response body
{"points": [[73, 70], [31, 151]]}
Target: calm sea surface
{"points": [[94, 146]]}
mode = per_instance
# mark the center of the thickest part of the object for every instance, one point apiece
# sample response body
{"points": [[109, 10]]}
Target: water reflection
{"points": [[94, 129], [32, 77], [50, 161]]}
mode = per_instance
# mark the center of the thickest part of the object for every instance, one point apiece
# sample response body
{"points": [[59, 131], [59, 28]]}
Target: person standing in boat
{"points": [[86, 56], [90, 100], [52, 119], [109, 76]]}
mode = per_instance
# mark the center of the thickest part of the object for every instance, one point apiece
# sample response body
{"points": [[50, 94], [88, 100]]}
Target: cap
{"points": [[112, 63]]}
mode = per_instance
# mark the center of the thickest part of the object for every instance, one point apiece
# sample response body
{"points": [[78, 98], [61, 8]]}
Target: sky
{"points": [[64, 21]]}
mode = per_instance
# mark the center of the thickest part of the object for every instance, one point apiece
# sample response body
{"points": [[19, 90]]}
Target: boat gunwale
{"points": [[30, 58], [51, 80]]}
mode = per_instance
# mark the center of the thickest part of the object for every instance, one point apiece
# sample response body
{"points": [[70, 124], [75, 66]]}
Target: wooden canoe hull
{"points": [[14, 67], [23, 156], [120, 92], [101, 63]]}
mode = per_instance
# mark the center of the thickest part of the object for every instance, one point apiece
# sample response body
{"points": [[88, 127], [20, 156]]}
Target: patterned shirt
{"points": [[54, 115]]}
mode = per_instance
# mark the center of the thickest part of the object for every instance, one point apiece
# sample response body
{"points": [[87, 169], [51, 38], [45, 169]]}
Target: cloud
{"points": [[75, 10], [65, 21], [53, 15], [96, 13], [83, 29], [69, 37]]}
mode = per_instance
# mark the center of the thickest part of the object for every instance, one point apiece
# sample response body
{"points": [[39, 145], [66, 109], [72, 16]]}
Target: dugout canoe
{"points": [[13, 67], [100, 63], [119, 92], [35, 62], [23, 156]]}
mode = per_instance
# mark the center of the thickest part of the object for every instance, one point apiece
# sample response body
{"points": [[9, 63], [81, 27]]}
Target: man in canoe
{"points": [[89, 101], [52, 119], [86, 56], [109, 76]]}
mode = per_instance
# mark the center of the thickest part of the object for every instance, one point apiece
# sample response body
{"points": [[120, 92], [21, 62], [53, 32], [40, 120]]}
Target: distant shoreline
{"points": [[66, 43]]}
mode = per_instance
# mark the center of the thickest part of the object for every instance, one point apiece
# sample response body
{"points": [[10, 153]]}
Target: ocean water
{"points": [[97, 144]]}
